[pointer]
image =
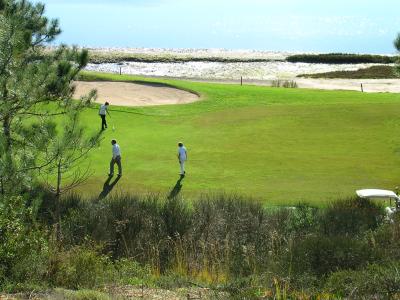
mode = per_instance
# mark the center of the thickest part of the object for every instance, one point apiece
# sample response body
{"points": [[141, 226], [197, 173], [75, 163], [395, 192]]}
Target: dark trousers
{"points": [[117, 161], [103, 122]]}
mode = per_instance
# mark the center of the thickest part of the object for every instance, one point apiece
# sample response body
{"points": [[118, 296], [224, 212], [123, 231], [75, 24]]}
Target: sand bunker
{"points": [[134, 94]]}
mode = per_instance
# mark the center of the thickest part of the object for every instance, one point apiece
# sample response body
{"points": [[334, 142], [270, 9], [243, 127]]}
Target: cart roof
{"points": [[376, 193]]}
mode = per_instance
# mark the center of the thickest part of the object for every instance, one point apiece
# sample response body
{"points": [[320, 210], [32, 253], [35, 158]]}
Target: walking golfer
{"points": [[182, 157], [102, 113], [116, 158]]}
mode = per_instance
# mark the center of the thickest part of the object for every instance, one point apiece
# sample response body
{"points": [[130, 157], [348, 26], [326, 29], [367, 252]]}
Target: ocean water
{"points": [[356, 26]]}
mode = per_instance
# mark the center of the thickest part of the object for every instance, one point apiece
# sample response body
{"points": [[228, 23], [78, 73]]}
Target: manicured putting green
{"points": [[282, 146]]}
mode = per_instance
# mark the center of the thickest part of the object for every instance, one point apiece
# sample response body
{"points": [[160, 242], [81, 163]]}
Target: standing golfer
{"points": [[182, 157], [116, 158], [102, 113]]}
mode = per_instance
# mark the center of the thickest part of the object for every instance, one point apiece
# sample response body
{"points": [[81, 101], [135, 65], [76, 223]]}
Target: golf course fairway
{"points": [[281, 146]]}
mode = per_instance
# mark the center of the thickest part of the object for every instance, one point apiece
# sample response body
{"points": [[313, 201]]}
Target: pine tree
{"points": [[35, 85], [397, 45]]}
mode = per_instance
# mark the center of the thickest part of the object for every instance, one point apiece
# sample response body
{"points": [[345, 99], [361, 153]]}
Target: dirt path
{"points": [[133, 94]]}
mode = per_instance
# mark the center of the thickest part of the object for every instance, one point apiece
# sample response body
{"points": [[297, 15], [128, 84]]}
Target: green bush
{"points": [[387, 238], [79, 267], [302, 219], [23, 246], [130, 272], [232, 233], [350, 217], [321, 255], [79, 295], [284, 83], [375, 281]]}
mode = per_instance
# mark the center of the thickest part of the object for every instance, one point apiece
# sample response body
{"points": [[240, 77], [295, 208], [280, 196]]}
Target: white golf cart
{"points": [[385, 194]]}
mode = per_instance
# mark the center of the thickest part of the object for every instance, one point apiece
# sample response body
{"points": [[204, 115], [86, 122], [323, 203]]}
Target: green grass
{"points": [[278, 145]]}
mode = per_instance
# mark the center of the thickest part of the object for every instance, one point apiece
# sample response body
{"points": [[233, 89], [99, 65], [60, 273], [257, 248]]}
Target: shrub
{"points": [[350, 217], [341, 58], [387, 238], [127, 271], [230, 233], [218, 238], [284, 83], [320, 255], [302, 219], [374, 72], [375, 281], [23, 246], [79, 295], [79, 267], [289, 84]]}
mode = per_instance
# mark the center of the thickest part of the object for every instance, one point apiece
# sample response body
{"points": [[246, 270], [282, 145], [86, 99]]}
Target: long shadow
{"points": [[107, 187], [176, 189]]}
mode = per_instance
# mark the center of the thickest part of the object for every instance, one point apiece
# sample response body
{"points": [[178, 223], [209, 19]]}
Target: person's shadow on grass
{"points": [[176, 189], [107, 187]]}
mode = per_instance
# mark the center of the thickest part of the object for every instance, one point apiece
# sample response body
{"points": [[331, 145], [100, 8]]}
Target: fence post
{"points": [[241, 80], [120, 70], [362, 89]]}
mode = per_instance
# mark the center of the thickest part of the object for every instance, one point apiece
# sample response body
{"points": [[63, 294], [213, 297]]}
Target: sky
{"points": [[356, 26]]}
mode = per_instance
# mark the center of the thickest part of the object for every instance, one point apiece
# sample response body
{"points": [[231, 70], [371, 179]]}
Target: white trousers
{"points": [[182, 164]]}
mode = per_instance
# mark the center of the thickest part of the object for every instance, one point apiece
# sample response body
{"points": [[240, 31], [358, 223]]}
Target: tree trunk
{"points": [[58, 189], [2, 185], [58, 195], [7, 133], [7, 152]]}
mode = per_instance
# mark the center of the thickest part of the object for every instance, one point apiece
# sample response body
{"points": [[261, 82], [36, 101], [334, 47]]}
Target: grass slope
{"points": [[279, 145]]}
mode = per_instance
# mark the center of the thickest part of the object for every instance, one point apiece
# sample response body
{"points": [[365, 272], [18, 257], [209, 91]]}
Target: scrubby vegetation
{"points": [[230, 244], [341, 58], [284, 83], [103, 57], [99, 57], [374, 72]]}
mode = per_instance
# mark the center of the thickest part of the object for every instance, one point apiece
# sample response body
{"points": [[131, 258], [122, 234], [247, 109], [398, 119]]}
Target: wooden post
{"points": [[362, 89], [120, 70], [241, 80]]}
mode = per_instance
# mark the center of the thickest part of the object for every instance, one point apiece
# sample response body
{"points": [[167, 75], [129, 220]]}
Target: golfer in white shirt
{"points": [[182, 157], [102, 113], [116, 158]]}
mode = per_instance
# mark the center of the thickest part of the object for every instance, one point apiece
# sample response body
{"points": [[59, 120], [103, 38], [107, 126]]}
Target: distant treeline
{"points": [[100, 58], [341, 58], [96, 57]]}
